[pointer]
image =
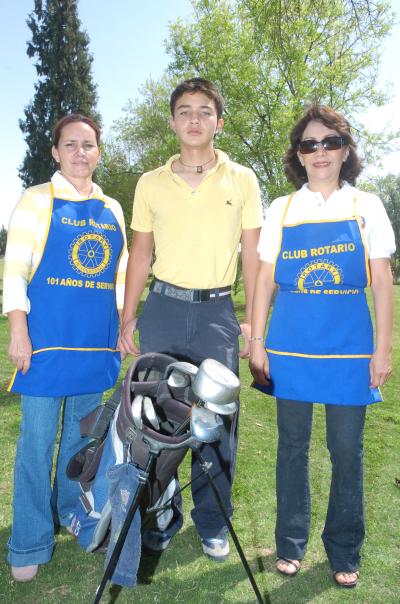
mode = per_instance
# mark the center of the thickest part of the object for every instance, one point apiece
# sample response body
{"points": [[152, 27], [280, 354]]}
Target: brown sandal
{"points": [[295, 563], [346, 584]]}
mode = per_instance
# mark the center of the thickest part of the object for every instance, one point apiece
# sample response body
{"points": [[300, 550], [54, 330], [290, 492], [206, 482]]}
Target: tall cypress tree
{"points": [[63, 64]]}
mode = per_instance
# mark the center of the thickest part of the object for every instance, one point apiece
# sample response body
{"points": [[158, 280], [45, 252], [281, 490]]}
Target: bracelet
{"points": [[255, 338]]}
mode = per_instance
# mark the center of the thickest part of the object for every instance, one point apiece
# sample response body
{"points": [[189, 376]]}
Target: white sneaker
{"points": [[216, 549], [23, 574]]}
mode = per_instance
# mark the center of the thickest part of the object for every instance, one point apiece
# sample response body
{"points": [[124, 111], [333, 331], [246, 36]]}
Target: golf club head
{"points": [[181, 374], [136, 408], [205, 425], [227, 409], [178, 379], [214, 383], [149, 413]]}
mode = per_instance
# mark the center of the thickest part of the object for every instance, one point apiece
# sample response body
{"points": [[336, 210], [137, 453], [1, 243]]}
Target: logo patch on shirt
{"points": [[228, 202]]}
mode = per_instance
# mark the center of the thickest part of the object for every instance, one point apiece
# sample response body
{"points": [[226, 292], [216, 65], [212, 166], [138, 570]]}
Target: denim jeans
{"points": [[37, 506], [123, 486], [343, 533], [193, 332]]}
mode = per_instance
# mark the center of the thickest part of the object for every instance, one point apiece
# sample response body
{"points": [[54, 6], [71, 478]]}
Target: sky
{"points": [[127, 45]]}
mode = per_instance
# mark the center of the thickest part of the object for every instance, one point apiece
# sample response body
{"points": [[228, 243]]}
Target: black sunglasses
{"points": [[330, 143]]}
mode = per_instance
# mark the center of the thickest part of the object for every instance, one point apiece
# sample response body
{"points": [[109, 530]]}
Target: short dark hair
{"points": [[295, 172], [198, 85], [70, 119]]}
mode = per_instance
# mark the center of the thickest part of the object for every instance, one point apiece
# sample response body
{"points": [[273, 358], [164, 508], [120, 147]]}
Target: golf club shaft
{"points": [[178, 492]]}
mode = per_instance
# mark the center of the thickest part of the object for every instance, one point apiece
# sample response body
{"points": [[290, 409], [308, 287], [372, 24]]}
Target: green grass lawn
{"points": [[183, 574]]}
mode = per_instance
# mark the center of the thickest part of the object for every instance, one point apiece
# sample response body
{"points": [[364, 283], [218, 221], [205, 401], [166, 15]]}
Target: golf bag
{"points": [[138, 438], [117, 437]]}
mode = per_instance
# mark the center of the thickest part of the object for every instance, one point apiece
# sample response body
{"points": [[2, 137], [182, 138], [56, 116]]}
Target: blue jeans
{"points": [[193, 332], [37, 507], [123, 486], [343, 533]]}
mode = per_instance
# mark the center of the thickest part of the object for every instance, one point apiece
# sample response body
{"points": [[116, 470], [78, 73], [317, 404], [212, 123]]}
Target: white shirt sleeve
{"points": [[19, 254], [378, 232], [270, 236], [123, 261]]}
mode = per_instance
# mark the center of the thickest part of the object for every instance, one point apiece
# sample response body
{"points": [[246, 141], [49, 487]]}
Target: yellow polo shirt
{"points": [[197, 232]]}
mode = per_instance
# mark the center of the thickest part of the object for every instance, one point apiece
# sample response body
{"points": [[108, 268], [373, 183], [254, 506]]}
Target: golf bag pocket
{"points": [[92, 517]]}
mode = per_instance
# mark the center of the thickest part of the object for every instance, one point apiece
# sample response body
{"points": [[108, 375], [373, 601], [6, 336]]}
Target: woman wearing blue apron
{"points": [[64, 267], [320, 248]]}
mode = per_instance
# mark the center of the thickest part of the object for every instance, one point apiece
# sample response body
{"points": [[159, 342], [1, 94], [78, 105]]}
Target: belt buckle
{"points": [[184, 295], [157, 287], [196, 295]]}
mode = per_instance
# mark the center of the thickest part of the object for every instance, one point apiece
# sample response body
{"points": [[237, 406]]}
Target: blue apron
{"points": [[320, 338], [73, 321]]}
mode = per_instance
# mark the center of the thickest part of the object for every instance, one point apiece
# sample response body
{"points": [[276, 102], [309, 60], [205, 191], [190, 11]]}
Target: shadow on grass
{"points": [[73, 576], [304, 586], [187, 551]]}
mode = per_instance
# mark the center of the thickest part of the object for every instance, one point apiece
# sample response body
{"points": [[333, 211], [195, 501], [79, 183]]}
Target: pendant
{"points": [[199, 169]]}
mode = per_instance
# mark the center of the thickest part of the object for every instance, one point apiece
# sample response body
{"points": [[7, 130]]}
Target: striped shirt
{"points": [[27, 234]]}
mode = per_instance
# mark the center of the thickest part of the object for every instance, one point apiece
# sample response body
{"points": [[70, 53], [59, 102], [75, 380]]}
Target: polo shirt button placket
{"points": [[318, 200]]}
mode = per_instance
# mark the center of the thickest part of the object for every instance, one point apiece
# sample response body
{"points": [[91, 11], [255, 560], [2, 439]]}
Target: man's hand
{"points": [[245, 329], [126, 344]]}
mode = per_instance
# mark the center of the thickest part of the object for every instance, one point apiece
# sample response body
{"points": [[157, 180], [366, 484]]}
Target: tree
{"points": [[3, 240], [269, 58], [144, 133], [64, 85], [117, 178], [388, 189]]}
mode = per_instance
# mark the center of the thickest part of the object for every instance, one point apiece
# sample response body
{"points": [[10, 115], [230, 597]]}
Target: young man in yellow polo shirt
{"points": [[194, 211]]}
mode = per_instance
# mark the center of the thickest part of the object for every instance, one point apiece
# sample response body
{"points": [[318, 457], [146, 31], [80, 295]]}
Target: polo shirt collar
{"points": [[67, 190], [306, 195]]}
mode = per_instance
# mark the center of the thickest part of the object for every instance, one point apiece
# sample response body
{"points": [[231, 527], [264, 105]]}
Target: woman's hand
{"points": [[126, 344], [20, 346], [380, 368], [259, 363]]}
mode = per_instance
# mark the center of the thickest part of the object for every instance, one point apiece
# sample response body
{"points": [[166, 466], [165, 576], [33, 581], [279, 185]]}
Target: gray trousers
{"points": [[193, 332]]}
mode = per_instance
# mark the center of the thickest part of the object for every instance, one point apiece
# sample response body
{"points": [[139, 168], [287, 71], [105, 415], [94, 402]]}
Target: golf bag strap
{"points": [[87, 506], [104, 415], [139, 451]]}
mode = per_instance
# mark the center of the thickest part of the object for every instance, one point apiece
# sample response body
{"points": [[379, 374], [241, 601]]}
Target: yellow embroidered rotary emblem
{"points": [[318, 274], [90, 254]]}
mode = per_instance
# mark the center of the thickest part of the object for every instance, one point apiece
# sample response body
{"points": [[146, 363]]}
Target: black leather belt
{"points": [[188, 295]]}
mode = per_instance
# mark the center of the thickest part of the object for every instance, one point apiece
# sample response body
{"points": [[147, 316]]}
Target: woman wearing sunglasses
{"points": [[321, 247]]}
